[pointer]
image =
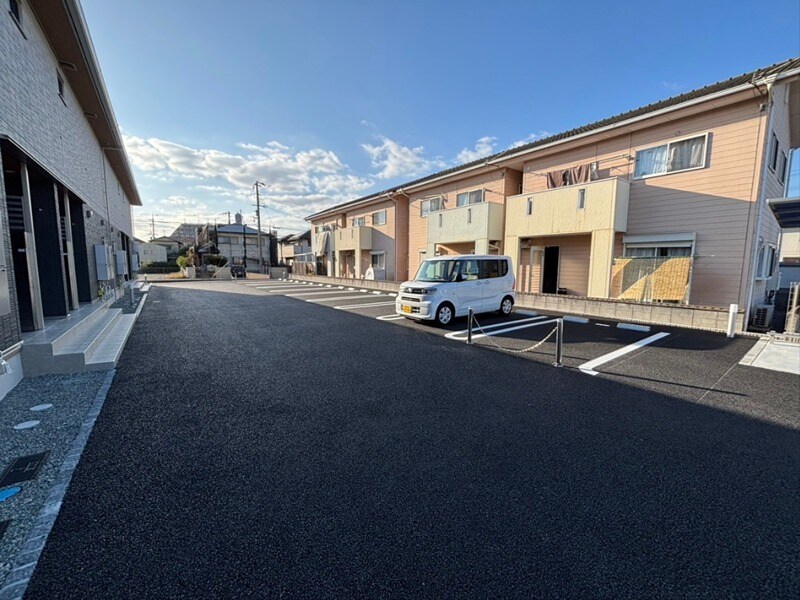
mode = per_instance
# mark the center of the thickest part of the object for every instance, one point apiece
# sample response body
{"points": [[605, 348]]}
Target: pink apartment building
{"points": [[666, 203]]}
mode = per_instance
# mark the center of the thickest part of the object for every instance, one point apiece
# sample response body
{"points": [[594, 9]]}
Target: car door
{"points": [[469, 287], [492, 284]]}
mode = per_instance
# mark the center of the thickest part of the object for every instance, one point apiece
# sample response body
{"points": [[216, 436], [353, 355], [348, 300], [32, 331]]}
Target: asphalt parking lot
{"points": [[298, 441]]}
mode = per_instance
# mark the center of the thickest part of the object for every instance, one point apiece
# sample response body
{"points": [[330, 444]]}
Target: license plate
{"points": [[406, 309]]}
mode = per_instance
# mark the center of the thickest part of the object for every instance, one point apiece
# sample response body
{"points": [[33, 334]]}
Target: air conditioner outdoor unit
{"points": [[762, 317]]}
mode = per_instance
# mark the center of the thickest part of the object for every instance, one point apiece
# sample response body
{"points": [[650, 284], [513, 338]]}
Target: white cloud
{"points": [[395, 160], [530, 138], [206, 181], [483, 147]]}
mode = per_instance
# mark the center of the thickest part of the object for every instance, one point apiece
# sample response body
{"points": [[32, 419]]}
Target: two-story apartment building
{"points": [[66, 187], [367, 235], [237, 242], [294, 252], [664, 203]]}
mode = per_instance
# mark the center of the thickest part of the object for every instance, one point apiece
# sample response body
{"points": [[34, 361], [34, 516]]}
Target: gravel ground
{"points": [[71, 397], [282, 449]]}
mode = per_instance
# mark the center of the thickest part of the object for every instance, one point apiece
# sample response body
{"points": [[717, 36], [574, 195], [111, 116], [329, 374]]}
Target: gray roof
{"points": [[752, 76], [238, 229]]}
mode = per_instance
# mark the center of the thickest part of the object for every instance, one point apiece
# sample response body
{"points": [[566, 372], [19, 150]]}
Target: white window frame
{"points": [[765, 261], [423, 212], [783, 165], [468, 194], [379, 221], [581, 198], [382, 254], [667, 144], [358, 221], [666, 240]]}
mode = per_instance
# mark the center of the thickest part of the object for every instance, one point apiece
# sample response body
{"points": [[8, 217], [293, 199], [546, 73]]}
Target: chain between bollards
{"points": [[559, 342]]}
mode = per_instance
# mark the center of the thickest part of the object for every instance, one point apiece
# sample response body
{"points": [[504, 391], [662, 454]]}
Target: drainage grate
{"points": [[23, 468], [3, 526]]}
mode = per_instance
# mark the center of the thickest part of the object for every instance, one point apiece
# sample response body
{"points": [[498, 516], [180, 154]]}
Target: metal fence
{"points": [[652, 279]]}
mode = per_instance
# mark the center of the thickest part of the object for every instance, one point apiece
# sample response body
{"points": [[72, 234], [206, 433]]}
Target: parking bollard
{"points": [[469, 326], [559, 342]]}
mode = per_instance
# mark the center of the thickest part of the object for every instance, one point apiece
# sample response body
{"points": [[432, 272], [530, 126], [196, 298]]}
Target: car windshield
{"points": [[437, 270]]}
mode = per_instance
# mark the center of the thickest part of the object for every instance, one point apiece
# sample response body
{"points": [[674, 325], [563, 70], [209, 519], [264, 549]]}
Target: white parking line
{"points": [[349, 297], [304, 294], [508, 326], [392, 317], [365, 305], [282, 289], [453, 334], [588, 367]]}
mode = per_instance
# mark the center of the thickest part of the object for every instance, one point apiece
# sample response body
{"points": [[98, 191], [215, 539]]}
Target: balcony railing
{"points": [[466, 223], [575, 209], [353, 238]]}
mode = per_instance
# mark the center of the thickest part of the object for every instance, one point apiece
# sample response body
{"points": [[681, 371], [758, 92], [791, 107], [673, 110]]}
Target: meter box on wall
{"points": [[122, 262], [104, 259]]}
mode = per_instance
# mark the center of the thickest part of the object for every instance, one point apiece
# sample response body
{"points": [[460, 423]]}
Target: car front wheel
{"points": [[444, 314]]}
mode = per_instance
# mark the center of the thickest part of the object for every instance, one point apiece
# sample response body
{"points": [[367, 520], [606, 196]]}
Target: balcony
{"points": [[353, 238], [471, 223], [575, 209]]}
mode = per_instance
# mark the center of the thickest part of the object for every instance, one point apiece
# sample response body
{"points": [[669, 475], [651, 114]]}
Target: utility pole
{"points": [[257, 184], [152, 226]]}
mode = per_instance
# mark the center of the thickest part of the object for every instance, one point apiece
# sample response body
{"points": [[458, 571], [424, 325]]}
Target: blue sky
{"points": [[327, 101]]}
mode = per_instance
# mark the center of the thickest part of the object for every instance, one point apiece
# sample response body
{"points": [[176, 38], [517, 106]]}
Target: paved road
{"points": [[260, 446]]}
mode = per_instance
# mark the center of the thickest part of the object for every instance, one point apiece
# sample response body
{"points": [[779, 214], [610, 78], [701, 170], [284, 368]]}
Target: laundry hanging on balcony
{"points": [[562, 177], [322, 243]]}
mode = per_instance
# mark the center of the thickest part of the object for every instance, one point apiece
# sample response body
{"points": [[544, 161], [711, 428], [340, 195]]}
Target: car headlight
{"points": [[430, 291]]}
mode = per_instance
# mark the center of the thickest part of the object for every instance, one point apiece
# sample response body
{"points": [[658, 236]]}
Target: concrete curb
{"points": [[16, 582]]}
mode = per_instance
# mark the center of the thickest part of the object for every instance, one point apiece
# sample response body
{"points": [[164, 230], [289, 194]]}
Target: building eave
{"points": [[66, 30]]}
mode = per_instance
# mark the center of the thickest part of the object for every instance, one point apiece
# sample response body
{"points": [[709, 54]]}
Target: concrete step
{"points": [[61, 331], [73, 348], [106, 354]]}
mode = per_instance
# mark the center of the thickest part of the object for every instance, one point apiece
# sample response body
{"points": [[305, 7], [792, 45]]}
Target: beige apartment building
{"points": [[366, 238], [665, 203]]}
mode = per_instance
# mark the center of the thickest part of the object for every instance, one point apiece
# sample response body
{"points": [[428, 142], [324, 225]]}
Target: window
{"points": [[774, 149], [431, 205], [473, 197], [782, 164], [359, 221], [379, 218], [469, 270], [581, 198], [378, 260], [490, 269], [765, 265], [680, 155], [529, 207], [224, 239], [643, 251], [13, 8], [437, 270]]}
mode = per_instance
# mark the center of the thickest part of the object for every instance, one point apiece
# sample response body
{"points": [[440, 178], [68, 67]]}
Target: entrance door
{"points": [[550, 270]]}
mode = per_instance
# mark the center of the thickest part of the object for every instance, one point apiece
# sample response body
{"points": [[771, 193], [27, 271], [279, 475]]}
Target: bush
{"points": [[215, 259], [154, 269], [182, 261]]}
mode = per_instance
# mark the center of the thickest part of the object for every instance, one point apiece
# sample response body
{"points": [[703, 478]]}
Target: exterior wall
{"points": [[235, 249], [383, 236], [53, 132], [715, 202], [152, 253], [771, 186], [493, 182]]}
